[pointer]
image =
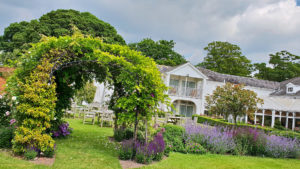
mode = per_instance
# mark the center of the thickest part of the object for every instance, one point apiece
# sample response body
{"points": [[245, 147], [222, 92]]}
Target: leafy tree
{"points": [[87, 93], [284, 66], [232, 99], [161, 51], [227, 58], [18, 36]]}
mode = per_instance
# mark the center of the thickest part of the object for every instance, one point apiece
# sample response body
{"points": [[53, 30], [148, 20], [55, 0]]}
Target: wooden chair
{"points": [[88, 114]]}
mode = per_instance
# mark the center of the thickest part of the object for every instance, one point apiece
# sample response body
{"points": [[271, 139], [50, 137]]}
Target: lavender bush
{"points": [[216, 139], [278, 146], [143, 153], [242, 141]]}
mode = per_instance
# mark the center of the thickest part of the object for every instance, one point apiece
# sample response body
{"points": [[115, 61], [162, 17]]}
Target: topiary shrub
{"points": [[174, 137], [6, 135]]}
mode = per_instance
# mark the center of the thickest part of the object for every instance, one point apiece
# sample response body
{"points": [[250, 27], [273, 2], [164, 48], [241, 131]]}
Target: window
{"points": [[290, 89], [186, 110], [174, 83]]}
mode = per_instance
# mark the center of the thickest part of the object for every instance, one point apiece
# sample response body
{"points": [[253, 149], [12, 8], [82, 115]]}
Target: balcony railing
{"points": [[185, 92]]}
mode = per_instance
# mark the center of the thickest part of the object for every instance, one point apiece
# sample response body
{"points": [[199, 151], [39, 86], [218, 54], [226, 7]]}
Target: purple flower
{"points": [[152, 95], [12, 121]]}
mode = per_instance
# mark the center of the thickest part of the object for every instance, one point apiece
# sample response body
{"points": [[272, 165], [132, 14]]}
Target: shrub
{"points": [[278, 147], [30, 154], [6, 136], [174, 137], [49, 152], [119, 135], [143, 153], [126, 151], [195, 148], [249, 141], [127, 134], [216, 139], [221, 122]]}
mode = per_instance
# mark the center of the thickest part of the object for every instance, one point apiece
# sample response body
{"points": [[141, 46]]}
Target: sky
{"points": [[259, 27]]}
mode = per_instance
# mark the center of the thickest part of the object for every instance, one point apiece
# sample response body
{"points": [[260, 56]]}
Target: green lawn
{"points": [[88, 147]]}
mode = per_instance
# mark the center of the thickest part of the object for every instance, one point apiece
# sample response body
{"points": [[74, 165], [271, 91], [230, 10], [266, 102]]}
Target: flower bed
{"points": [[242, 141]]}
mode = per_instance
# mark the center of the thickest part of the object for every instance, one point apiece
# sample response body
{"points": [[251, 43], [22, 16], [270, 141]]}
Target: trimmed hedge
{"points": [[221, 122]]}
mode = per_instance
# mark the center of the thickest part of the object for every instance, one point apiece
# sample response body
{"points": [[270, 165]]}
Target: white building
{"points": [[189, 86]]}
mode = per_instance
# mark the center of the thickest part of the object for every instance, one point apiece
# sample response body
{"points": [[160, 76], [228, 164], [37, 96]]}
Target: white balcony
{"points": [[184, 92]]}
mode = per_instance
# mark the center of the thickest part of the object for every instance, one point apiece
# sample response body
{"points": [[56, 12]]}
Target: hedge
{"points": [[221, 122]]}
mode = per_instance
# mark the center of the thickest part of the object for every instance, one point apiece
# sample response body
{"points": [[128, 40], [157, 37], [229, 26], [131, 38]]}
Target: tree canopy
{"points": [[232, 99], [284, 66], [227, 58], [161, 51], [19, 36]]}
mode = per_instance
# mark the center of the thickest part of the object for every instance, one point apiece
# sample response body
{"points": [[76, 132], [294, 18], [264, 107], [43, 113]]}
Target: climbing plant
{"points": [[53, 69]]}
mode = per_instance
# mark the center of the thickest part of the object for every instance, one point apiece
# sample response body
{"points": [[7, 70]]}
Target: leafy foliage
{"points": [[174, 137], [232, 99], [161, 51], [227, 58], [19, 36], [6, 135], [284, 66], [87, 93], [36, 83]]}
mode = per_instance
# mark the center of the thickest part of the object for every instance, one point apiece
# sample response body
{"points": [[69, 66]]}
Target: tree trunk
{"points": [[136, 125], [116, 121], [146, 131]]}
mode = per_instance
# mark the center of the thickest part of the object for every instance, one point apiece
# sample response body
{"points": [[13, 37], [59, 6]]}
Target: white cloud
{"points": [[259, 27]]}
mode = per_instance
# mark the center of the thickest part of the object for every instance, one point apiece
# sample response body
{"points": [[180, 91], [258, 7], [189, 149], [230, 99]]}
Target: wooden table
{"points": [[174, 120]]}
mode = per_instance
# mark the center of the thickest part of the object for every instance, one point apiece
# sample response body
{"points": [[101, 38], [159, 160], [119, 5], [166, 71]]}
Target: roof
{"points": [[282, 87], [280, 104], [215, 76]]}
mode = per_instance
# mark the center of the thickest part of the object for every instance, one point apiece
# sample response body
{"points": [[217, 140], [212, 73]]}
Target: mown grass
{"points": [[88, 147]]}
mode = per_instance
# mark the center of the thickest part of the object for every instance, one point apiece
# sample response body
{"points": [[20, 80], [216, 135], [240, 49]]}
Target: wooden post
{"points": [[146, 131], [280, 115], [273, 118], [263, 117], [287, 120], [255, 117], [293, 126]]}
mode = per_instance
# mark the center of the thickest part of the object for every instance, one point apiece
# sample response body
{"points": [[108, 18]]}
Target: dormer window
{"points": [[290, 89]]}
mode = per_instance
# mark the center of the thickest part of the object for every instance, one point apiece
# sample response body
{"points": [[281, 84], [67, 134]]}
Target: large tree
{"points": [[284, 66], [161, 51], [227, 58], [18, 36], [232, 99]]}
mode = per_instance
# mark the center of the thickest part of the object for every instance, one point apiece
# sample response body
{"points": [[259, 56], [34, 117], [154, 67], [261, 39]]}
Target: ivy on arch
{"points": [[52, 69]]}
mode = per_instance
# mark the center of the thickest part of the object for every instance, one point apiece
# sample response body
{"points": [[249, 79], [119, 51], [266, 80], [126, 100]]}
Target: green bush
{"points": [[30, 154], [174, 137], [49, 153], [6, 136], [221, 122], [119, 134], [195, 148], [126, 134]]}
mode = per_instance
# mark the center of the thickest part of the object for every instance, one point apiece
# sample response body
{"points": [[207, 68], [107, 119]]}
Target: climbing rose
{"points": [[7, 113], [12, 121]]}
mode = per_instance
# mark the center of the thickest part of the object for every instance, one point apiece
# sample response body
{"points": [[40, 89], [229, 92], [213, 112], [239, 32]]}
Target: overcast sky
{"points": [[259, 27]]}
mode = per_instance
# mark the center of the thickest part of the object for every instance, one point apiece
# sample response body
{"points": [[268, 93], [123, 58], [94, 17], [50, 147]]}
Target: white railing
{"points": [[185, 92]]}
